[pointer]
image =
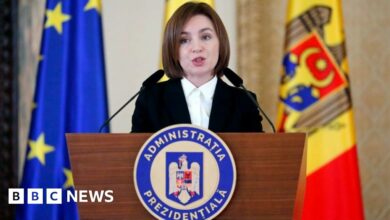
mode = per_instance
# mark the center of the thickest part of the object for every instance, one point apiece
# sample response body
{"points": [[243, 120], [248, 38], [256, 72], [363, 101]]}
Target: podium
{"points": [[270, 174]]}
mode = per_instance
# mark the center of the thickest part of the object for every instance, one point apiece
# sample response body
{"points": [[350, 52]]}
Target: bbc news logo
{"points": [[58, 196]]}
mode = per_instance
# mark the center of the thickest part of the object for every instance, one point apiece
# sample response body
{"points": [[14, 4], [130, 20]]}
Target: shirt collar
{"points": [[207, 89]]}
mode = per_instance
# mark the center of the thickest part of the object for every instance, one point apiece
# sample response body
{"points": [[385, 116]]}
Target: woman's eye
{"points": [[184, 41], [206, 37]]}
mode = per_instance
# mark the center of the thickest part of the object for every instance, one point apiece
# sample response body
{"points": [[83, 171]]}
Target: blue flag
{"points": [[70, 97]]}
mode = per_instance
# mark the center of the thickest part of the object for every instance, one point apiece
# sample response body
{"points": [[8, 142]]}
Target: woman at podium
{"points": [[195, 52]]}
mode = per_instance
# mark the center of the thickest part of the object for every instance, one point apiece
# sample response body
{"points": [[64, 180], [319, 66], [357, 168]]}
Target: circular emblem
{"points": [[184, 172]]}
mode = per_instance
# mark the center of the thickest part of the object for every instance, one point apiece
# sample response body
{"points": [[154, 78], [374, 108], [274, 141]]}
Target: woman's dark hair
{"points": [[172, 35]]}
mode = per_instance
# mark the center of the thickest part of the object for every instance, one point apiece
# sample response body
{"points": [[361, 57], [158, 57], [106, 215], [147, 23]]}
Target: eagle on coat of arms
{"points": [[184, 181]]}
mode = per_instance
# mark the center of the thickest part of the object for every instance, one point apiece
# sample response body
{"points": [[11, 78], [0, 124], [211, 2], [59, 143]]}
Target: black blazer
{"points": [[164, 104]]}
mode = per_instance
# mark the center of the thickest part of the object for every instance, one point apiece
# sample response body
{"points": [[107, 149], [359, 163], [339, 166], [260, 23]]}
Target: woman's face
{"points": [[199, 47]]}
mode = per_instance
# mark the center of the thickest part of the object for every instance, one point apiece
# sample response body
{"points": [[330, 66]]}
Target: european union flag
{"points": [[70, 97]]}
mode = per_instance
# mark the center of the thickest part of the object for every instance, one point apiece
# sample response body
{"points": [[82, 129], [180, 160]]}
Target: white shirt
{"points": [[199, 100]]}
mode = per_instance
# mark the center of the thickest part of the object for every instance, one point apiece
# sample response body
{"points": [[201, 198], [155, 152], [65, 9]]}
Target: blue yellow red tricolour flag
{"points": [[315, 98], [70, 97]]}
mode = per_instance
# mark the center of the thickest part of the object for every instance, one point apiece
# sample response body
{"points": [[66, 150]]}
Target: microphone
{"points": [[238, 82], [151, 80]]}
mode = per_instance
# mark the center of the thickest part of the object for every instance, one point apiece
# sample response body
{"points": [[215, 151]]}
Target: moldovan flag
{"points": [[315, 98], [170, 8]]}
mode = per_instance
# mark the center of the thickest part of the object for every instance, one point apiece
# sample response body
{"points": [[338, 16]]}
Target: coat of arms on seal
{"points": [[184, 172], [184, 176]]}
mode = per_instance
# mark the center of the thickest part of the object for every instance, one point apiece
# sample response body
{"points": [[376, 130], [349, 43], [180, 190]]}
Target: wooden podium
{"points": [[269, 184]]}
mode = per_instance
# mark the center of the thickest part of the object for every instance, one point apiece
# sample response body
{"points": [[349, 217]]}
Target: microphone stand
{"points": [[120, 109], [238, 82], [258, 107], [149, 81]]}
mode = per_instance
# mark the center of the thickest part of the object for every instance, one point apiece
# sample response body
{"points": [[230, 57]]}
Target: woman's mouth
{"points": [[198, 61]]}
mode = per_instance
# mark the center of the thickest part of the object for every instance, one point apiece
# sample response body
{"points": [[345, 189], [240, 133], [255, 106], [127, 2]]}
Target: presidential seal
{"points": [[184, 172]]}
